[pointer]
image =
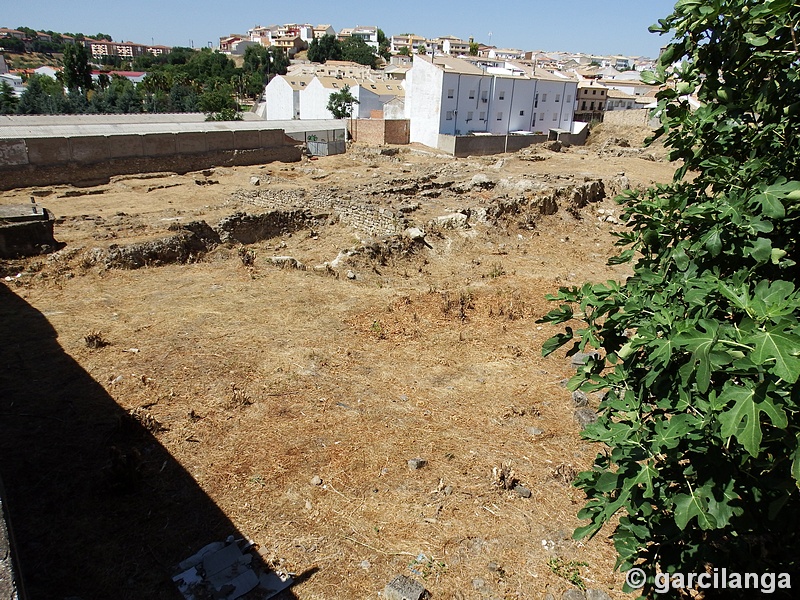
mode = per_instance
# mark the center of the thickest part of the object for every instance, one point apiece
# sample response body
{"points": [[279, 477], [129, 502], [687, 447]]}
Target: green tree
{"points": [[8, 100], [42, 96], [699, 348], [77, 72], [341, 103], [422, 49], [355, 49], [328, 47], [384, 45], [473, 48], [218, 103], [404, 51], [183, 98], [103, 81], [266, 62], [12, 45]]}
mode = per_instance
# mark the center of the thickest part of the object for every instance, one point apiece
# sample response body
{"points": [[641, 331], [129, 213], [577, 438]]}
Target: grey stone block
{"points": [[403, 588], [523, 491], [585, 416], [573, 595], [581, 358], [579, 398], [597, 595], [417, 463]]}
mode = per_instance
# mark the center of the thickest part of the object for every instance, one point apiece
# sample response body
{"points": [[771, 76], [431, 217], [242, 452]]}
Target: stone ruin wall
{"points": [[372, 220]]}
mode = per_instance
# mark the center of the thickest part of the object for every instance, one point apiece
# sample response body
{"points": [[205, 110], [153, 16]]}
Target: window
{"points": [[541, 116], [555, 116], [472, 94], [501, 96], [594, 92], [522, 113], [558, 97], [469, 115], [500, 116], [544, 97], [449, 115], [450, 93], [583, 105], [591, 106], [569, 99], [483, 116], [484, 96]]}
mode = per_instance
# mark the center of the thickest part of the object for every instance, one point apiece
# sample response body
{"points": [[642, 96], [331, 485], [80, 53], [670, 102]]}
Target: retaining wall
{"points": [[88, 160], [461, 146]]}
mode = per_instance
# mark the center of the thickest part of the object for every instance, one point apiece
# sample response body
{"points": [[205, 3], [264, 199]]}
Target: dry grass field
{"points": [[284, 405]]}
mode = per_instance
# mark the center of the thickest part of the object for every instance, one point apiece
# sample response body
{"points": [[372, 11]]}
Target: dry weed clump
{"points": [[247, 256], [457, 305], [143, 417], [564, 474], [504, 476], [95, 340], [239, 398]]}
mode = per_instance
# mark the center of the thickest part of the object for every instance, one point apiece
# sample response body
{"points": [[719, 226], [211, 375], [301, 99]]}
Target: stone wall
{"points": [[637, 117], [93, 159], [373, 220]]}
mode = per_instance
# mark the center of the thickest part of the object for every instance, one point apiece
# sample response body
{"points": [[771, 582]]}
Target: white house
{"points": [[368, 33], [307, 96], [314, 99], [15, 81], [282, 96], [45, 70], [385, 96], [321, 31], [452, 96], [506, 53]]}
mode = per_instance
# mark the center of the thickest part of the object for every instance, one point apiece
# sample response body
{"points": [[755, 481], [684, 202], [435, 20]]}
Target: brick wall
{"points": [[378, 132]]}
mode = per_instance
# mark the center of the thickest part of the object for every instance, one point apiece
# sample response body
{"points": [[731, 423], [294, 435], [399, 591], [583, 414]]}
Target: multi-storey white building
{"points": [[452, 96]]}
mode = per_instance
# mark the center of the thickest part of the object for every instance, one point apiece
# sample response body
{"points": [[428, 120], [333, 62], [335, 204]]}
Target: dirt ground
{"points": [[294, 399]]}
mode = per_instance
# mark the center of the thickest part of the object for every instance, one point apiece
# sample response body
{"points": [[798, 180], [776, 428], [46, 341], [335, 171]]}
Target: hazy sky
{"points": [[598, 26]]}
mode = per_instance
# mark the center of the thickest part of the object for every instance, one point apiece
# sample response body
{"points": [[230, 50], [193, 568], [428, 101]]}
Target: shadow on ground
{"points": [[100, 509]]}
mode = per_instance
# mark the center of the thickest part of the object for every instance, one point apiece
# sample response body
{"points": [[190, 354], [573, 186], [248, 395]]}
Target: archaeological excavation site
{"points": [[320, 378]]}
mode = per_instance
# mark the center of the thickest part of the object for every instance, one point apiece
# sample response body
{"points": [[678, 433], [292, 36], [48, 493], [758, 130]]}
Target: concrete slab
{"points": [[20, 213]]}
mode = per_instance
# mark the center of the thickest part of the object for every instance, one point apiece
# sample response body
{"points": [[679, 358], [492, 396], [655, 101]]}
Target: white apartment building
{"points": [[452, 96], [408, 40]]}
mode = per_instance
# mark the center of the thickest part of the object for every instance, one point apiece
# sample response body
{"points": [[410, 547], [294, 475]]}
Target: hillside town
{"points": [[423, 90]]}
